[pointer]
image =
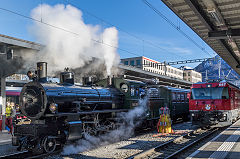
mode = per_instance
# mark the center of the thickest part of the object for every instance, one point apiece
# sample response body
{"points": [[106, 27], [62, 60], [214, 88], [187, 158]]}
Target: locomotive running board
{"points": [[89, 112]]}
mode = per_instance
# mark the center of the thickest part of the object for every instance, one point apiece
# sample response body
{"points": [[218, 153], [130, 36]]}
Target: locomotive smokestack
{"points": [[109, 81], [42, 71], [113, 80]]}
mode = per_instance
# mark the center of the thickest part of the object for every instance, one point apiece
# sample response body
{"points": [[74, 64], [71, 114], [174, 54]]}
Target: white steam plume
{"points": [[65, 49], [131, 118]]}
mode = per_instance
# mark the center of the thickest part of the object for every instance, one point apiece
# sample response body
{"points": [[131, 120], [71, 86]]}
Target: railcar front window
{"points": [[210, 93]]}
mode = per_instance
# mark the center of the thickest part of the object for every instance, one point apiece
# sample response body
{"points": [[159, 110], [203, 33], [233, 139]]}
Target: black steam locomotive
{"points": [[59, 112], [63, 111]]}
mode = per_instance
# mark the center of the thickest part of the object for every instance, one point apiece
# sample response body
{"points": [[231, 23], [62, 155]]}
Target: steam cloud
{"points": [[75, 49], [123, 132], [9, 67]]}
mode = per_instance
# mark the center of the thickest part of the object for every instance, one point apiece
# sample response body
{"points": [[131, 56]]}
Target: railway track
{"points": [[28, 155], [174, 147]]}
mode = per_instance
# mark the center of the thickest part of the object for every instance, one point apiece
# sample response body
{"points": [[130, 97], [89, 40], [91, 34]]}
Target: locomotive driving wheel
{"points": [[49, 144]]}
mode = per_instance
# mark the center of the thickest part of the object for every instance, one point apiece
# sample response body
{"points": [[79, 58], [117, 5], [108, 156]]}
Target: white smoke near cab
{"points": [[69, 41], [131, 119]]}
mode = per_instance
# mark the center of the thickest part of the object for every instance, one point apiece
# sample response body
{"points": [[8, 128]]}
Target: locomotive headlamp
{"points": [[53, 107]]}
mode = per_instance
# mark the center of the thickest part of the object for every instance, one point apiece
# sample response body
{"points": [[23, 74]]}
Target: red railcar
{"points": [[215, 103]]}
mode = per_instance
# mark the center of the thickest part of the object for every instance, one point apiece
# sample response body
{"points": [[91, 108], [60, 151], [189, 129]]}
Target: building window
{"points": [[189, 73], [132, 62], [138, 62], [125, 62], [189, 79]]}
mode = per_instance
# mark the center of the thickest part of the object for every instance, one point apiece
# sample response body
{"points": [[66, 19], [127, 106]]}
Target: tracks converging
{"points": [[174, 147]]}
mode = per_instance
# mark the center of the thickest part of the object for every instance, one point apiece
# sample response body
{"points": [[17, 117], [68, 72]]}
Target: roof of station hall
{"points": [[217, 22]]}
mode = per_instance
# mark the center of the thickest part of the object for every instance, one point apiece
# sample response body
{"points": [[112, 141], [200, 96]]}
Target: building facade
{"points": [[190, 75], [153, 66]]}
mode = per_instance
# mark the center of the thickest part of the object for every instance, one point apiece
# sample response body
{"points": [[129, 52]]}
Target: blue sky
{"points": [[132, 16]]}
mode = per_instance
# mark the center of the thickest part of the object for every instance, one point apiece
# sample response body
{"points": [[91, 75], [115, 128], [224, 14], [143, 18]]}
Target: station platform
{"points": [[6, 144], [5, 137], [224, 145]]}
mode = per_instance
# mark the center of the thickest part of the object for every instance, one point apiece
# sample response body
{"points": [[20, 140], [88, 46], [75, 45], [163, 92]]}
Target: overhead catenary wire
{"points": [[120, 29], [100, 42], [66, 30], [175, 26]]}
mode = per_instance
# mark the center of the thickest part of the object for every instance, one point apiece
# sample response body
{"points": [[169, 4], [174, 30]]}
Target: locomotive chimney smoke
{"points": [[132, 118], [11, 66], [42, 70], [73, 43]]}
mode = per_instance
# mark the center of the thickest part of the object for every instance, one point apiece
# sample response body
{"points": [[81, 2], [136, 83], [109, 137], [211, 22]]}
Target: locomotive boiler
{"points": [[64, 111]]}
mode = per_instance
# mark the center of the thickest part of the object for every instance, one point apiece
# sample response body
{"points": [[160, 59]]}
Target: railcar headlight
{"points": [[53, 107]]}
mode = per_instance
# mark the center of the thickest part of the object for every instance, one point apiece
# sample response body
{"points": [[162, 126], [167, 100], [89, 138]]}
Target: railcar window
{"points": [[178, 96], [182, 97], [210, 93], [153, 92], [173, 96], [14, 99]]}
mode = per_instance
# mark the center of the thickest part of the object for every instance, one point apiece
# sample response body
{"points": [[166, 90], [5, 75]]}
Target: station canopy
{"points": [[12, 53], [217, 22]]}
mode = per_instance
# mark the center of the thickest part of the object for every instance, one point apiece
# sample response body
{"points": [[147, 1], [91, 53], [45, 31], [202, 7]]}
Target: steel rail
{"points": [[181, 148], [152, 150], [28, 155], [14, 155], [191, 144]]}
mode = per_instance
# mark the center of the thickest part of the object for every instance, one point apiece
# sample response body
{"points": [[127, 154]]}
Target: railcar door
{"points": [[174, 103]]}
